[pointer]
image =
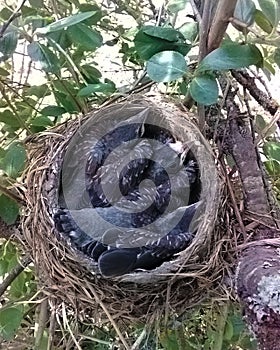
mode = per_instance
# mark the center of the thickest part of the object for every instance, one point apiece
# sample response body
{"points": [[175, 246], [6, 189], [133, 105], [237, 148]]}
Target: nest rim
{"points": [[58, 263]]}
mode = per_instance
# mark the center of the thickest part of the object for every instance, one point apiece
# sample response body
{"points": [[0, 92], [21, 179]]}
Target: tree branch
{"points": [[13, 16], [257, 284], [249, 83], [243, 151], [224, 12]]}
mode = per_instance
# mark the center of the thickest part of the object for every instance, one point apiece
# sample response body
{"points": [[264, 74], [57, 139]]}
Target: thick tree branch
{"points": [[257, 284], [224, 12], [257, 275], [244, 153], [204, 27]]}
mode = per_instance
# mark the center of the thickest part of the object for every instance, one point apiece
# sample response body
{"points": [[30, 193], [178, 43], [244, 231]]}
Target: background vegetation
{"points": [[52, 68]]}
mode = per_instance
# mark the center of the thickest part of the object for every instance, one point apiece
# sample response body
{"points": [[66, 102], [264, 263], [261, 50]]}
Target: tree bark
{"points": [[257, 275]]}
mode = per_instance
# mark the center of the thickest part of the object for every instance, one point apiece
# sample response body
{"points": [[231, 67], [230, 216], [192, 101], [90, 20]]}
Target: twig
{"points": [[42, 320], [13, 274], [139, 340], [152, 7], [160, 12], [51, 329], [113, 323], [11, 194], [249, 83], [196, 12], [261, 80], [273, 120], [233, 201], [13, 16], [64, 315]]}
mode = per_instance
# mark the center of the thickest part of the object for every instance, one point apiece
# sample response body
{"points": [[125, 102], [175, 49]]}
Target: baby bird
{"points": [[142, 190]]}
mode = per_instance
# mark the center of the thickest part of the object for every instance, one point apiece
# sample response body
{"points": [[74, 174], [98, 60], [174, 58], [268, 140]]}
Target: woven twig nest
{"points": [[65, 274]]}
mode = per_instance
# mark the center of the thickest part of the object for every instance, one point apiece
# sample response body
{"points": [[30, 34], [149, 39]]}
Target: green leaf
{"points": [[183, 88], [272, 150], [14, 160], [41, 121], [151, 40], [175, 6], [231, 56], [262, 122], [166, 66], [248, 343], [168, 34], [271, 9], [273, 167], [42, 54], [36, 21], [263, 22], [9, 210], [90, 73], [5, 13], [168, 340], [228, 331], [53, 111], [18, 287], [8, 44], [276, 57], [268, 68], [66, 22], [61, 37], [8, 251], [8, 118], [189, 30], [204, 89], [105, 88], [37, 3], [28, 11], [93, 20], [66, 101], [64, 85], [38, 91], [244, 11], [10, 320], [4, 72], [3, 267], [238, 325], [89, 39]]}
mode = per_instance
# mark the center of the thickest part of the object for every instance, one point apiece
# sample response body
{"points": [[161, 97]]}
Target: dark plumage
{"points": [[117, 260], [140, 198]]}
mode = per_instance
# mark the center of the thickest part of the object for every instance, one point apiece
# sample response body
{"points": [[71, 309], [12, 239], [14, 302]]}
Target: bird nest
{"points": [[66, 275]]}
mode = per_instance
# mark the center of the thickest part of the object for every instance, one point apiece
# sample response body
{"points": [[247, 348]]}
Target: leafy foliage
{"points": [[211, 328], [59, 44], [12, 313], [166, 66]]}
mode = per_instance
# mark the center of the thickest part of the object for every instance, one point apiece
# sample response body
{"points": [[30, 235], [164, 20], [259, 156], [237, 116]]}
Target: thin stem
{"points": [[10, 194], [13, 274], [13, 16]]}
